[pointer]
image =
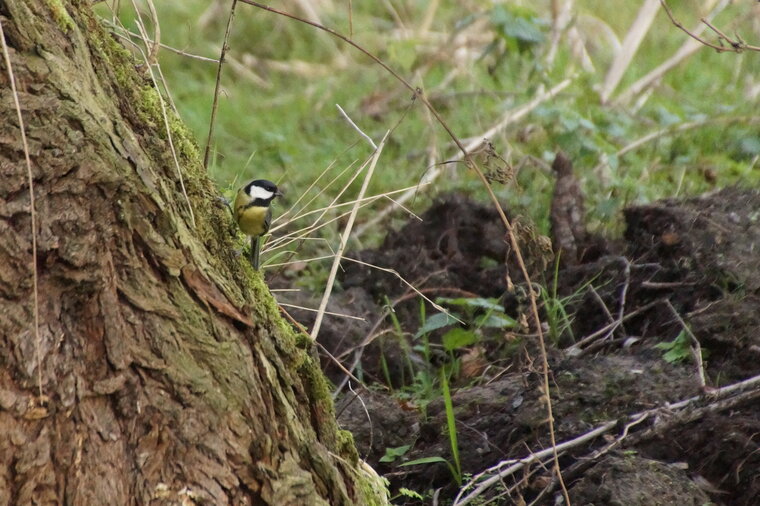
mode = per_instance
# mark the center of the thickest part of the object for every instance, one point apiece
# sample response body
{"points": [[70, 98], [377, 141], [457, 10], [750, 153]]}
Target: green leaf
{"points": [[435, 322], [452, 426], [749, 146], [435, 460], [404, 52], [480, 302], [392, 454], [458, 338], [677, 350], [513, 24], [496, 321], [425, 460]]}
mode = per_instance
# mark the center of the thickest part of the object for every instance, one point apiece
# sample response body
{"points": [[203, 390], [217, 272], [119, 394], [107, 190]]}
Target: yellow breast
{"points": [[253, 221]]}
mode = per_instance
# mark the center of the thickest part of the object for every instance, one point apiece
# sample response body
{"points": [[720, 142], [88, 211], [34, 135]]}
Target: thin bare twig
{"points": [[350, 19], [304, 308], [322, 348], [602, 304], [161, 44], [351, 122], [155, 44], [507, 119], [215, 103], [577, 348], [509, 467], [733, 45], [372, 334], [365, 200], [369, 419], [407, 283], [32, 212], [624, 290], [689, 47], [322, 189], [665, 285]]}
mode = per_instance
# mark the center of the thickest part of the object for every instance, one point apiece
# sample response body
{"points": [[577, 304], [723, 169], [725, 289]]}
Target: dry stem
{"points": [[344, 240], [32, 212], [215, 104]]}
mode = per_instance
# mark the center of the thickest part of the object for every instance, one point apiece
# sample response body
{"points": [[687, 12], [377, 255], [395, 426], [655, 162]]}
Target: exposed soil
{"points": [[693, 261]]}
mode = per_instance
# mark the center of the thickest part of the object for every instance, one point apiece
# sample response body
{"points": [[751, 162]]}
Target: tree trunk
{"points": [[160, 371]]}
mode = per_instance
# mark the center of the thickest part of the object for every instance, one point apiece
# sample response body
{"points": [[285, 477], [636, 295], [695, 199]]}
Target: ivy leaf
{"points": [[458, 338], [435, 322]]}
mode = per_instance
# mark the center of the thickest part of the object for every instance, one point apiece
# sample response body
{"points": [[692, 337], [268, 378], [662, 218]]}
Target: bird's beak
{"points": [[278, 193]]}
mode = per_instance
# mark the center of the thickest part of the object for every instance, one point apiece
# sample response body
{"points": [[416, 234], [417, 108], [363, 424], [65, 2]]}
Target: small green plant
{"points": [[406, 492], [478, 313], [436, 460], [424, 382], [677, 350], [455, 468], [402, 342], [391, 454], [555, 307], [451, 425]]}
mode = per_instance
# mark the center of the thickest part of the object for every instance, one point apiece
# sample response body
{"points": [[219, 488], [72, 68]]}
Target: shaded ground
{"points": [[699, 255]]}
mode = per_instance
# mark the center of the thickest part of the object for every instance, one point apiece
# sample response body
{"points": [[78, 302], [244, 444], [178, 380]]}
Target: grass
{"points": [[285, 126]]}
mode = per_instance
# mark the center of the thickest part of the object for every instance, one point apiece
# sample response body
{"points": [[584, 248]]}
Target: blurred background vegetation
{"points": [[477, 61]]}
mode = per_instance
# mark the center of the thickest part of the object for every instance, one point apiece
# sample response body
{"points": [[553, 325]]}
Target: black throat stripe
{"points": [[257, 203]]}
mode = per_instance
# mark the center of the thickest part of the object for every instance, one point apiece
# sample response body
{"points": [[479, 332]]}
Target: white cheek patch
{"points": [[257, 192]]}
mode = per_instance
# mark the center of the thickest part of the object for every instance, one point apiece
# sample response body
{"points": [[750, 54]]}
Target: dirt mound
{"points": [[458, 244], [634, 481]]}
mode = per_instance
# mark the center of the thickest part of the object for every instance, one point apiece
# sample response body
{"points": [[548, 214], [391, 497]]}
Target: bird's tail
{"points": [[255, 252]]}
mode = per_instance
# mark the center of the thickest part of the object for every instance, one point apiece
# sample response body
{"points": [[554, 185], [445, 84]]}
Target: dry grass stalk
{"points": [[631, 43], [304, 308], [561, 17], [669, 131], [32, 211], [344, 240], [689, 47]]}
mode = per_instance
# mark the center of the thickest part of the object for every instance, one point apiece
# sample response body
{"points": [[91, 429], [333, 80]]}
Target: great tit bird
{"points": [[252, 212]]}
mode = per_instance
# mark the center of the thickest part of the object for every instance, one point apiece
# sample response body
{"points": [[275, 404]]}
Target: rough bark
{"points": [[166, 374]]}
